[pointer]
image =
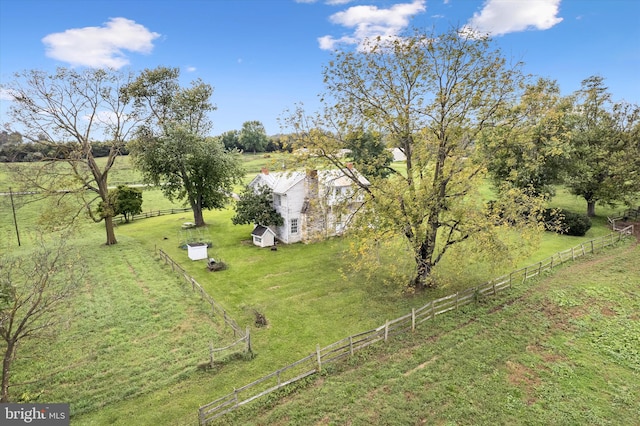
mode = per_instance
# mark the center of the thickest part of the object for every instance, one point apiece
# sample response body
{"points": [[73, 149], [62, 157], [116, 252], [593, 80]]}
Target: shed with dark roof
{"points": [[263, 236]]}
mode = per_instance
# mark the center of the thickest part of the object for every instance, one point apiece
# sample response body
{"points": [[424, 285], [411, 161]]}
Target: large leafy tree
{"points": [[125, 200], [68, 110], [253, 136], [190, 168], [369, 153], [531, 147], [255, 206], [605, 151], [431, 96], [172, 148], [231, 140]]}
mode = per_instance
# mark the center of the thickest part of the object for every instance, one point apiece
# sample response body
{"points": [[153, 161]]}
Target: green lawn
{"points": [[132, 329], [560, 350], [299, 288], [139, 334]]}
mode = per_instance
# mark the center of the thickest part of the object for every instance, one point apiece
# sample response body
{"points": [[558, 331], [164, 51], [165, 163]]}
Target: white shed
{"points": [[197, 251], [263, 236]]}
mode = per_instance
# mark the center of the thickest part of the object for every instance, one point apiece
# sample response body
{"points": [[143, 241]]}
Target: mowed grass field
{"points": [[138, 333], [560, 350], [131, 329]]}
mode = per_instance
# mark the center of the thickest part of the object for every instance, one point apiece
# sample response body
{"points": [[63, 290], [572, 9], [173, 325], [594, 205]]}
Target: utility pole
{"points": [[15, 221]]}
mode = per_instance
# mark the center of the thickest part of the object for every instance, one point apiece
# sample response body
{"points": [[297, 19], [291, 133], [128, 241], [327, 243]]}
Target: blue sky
{"points": [[264, 56]]}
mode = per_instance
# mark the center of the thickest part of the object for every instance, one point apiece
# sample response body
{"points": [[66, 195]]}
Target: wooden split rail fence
{"points": [[346, 347], [629, 215], [153, 213], [216, 309]]}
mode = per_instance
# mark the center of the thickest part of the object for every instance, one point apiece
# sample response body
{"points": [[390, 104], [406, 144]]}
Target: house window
{"points": [[276, 200], [257, 240], [294, 226]]}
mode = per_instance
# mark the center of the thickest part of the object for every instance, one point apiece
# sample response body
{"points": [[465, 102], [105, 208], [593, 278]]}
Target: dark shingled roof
{"points": [[259, 230]]}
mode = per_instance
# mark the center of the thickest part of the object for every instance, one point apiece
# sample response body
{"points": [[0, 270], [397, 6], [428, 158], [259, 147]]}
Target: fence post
{"points": [[413, 319], [248, 336], [592, 250], [211, 356], [433, 311], [351, 345], [524, 277], [573, 254], [386, 330], [318, 358]]}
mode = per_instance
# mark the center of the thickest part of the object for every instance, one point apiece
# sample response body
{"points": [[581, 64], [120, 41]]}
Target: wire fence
{"points": [[346, 347], [243, 337]]}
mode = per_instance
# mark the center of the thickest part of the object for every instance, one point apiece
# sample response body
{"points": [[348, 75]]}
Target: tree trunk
{"points": [[591, 208], [424, 264], [421, 281], [111, 235], [6, 369], [197, 215]]}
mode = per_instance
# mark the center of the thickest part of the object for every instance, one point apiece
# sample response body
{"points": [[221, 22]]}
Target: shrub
{"points": [[566, 222]]}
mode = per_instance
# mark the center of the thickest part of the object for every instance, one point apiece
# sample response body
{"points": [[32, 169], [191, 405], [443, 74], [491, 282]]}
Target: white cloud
{"points": [[106, 118], [329, 2], [6, 95], [369, 21], [99, 47], [499, 17], [191, 69], [338, 2]]}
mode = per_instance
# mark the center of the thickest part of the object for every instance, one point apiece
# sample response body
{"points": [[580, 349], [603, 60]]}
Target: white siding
{"points": [[290, 208]]}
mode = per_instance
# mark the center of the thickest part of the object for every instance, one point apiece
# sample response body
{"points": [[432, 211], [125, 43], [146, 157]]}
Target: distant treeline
{"points": [[38, 151], [233, 140], [14, 149]]}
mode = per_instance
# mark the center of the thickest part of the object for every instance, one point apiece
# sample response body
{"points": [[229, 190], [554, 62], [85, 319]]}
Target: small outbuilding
{"points": [[263, 236], [197, 251]]}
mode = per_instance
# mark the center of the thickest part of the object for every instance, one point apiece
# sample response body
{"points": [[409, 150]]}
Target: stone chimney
{"points": [[311, 184], [350, 166], [264, 171]]}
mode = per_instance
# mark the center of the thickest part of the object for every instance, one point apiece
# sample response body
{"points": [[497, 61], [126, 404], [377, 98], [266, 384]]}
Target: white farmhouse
{"points": [[315, 204]]}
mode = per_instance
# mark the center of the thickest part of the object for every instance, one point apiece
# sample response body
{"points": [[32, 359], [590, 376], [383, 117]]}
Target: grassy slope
{"points": [[560, 350], [135, 329], [299, 288]]}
